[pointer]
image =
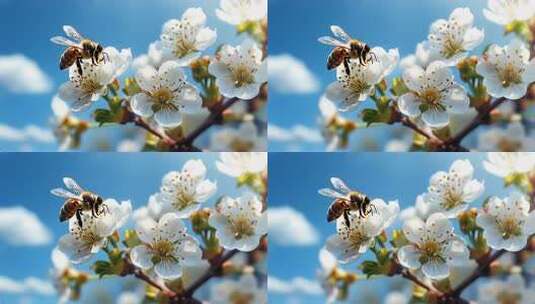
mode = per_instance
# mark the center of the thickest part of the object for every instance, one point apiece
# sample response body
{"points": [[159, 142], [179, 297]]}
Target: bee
{"points": [[346, 201], [348, 48], [78, 201], [76, 51]]}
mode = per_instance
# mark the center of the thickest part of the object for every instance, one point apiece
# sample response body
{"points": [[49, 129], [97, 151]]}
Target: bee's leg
{"points": [[346, 218], [362, 212], [373, 57], [79, 217], [346, 66], [79, 66]]}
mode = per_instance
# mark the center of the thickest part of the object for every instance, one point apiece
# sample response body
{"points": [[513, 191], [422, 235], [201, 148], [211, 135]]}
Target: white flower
{"points": [[328, 264], [82, 90], [503, 164], [62, 266], [187, 37], [155, 57], [422, 57], [236, 164], [130, 297], [165, 94], [514, 290], [81, 243], [507, 223], [240, 222], [240, 71], [329, 115], [350, 242], [236, 12], [450, 192], [62, 114], [154, 209], [166, 246], [507, 71], [433, 92], [504, 12], [460, 272], [454, 37], [421, 210], [511, 139], [244, 291], [350, 90], [243, 139], [396, 297], [191, 273], [433, 247], [184, 191]]}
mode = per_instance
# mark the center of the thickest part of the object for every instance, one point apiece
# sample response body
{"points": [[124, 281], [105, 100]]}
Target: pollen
{"points": [[242, 76], [241, 227], [451, 47], [509, 227], [431, 96], [163, 250], [509, 75]]}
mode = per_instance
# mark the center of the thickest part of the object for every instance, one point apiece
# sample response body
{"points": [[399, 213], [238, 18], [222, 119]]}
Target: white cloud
{"points": [[30, 285], [289, 227], [28, 133], [296, 133], [21, 227], [20, 74], [290, 75], [295, 285]]}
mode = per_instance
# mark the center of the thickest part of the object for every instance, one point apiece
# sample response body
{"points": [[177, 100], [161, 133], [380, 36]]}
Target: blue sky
{"points": [[294, 179], [121, 176], [27, 26], [296, 25]]}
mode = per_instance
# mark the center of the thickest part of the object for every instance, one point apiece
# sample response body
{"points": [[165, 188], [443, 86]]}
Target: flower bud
{"points": [[199, 220], [199, 69], [467, 220], [467, 68]]}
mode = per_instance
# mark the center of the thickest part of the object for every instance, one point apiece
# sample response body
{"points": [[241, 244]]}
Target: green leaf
{"points": [[103, 116], [370, 268], [398, 87], [370, 116], [103, 268]]}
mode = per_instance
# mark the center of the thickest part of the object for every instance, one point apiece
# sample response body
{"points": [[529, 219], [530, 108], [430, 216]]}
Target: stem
{"points": [[478, 120], [409, 276], [138, 273], [210, 120], [209, 273], [477, 273], [409, 124]]}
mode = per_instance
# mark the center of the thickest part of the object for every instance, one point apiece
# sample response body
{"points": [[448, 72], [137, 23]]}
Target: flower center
{"points": [[89, 86], [509, 76], [451, 47], [183, 200], [162, 99], [451, 200], [357, 86], [239, 145], [184, 47], [162, 250], [357, 238], [431, 250], [241, 227], [509, 227], [237, 297], [431, 96], [242, 76]]}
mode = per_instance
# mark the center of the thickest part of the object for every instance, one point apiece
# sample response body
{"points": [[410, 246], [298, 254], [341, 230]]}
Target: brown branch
{"points": [[212, 119], [130, 268], [409, 276], [212, 271], [478, 120], [409, 124], [477, 273]]}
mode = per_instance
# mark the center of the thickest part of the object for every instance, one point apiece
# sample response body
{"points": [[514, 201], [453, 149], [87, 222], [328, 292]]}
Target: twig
{"points": [[409, 124], [480, 118], [477, 273], [210, 120], [212, 271], [138, 273], [409, 276]]}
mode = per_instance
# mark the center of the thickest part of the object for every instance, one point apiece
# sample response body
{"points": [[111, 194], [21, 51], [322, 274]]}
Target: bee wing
{"points": [[63, 41], [72, 185], [62, 193], [331, 41], [72, 33], [340, 33], [330, 193], [339, 185]]}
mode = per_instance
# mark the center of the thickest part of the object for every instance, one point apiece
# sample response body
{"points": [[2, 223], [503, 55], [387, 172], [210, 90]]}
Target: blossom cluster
{"points": [[446, 240], [178, 90], [440, 109], [166, 253]]}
